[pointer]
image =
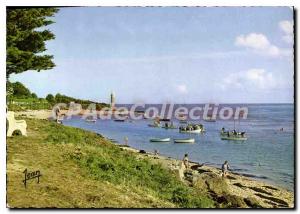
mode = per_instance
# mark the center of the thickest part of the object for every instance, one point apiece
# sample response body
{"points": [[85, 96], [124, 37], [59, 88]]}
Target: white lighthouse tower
{"points": [[112, 101]]}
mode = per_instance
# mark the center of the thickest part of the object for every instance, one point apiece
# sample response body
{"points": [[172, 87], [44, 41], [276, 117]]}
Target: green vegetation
{"points": [[82, 169], [19, 98], [25, 40]]}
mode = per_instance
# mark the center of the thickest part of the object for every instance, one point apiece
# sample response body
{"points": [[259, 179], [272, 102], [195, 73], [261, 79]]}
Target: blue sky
{"points": [[173, 54]]}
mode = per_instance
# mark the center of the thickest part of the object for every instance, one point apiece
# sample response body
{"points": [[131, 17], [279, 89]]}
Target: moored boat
{"points": [[191, 131], [185, 140], [91, 120], [154, 125], [119, 120], [169, 126], [192, 128], [160, 139], [232, 137]]}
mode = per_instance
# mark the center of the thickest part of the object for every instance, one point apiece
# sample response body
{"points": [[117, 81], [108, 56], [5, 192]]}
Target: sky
{"points": [[170, 54]]}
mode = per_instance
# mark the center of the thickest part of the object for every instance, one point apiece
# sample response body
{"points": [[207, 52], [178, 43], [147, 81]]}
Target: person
{"points": [[186, 161], [234, 132], [223, 129], [126, 140], [57, 113], [225, 168], [156, 152]]}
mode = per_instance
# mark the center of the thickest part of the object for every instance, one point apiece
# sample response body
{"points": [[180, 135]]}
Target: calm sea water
{"points": [[268, 154]]}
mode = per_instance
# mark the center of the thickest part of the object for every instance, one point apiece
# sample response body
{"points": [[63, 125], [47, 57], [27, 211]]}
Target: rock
{"points": [[252, 202]]}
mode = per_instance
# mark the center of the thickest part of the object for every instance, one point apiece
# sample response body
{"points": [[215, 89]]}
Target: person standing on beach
{"points": [[225, 168], [186, 161], [57, 113], [126, 140]]}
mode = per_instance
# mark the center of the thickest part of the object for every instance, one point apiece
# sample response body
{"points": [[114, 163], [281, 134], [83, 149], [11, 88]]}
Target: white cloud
{"points": [[258, 43], [182, 89], [250, 79], [287, 28]]}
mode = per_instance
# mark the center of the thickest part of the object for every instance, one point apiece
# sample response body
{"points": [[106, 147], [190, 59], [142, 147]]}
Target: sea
{"points": [[268, 154]]}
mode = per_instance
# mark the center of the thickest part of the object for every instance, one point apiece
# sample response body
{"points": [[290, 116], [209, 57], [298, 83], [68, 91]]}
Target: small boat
{"points": [[117, 120], [169, 126], [186, 140], [232, 137], [165, 120], [191, 131], [209, 120], [90, 120], [160, 140], [154, 125], [192, 128]]}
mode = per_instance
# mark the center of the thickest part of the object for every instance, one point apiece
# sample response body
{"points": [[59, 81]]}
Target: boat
{"points": [[232, 137], [165, 120], [192, 128], [191, 131], [209, 119], [91, 120], [169, 126], [185, 140], [183, 121], [117, 120], [154, 125], [160, 139]]}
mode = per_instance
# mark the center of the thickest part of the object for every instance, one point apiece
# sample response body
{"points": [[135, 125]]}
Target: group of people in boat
{"points": [[191, 127], [233, 133]]}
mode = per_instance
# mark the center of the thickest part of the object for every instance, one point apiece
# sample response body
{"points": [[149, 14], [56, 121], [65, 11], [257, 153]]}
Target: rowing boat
{"points": [[160, 140], [233, 138], [186, 140], [191, 131]]}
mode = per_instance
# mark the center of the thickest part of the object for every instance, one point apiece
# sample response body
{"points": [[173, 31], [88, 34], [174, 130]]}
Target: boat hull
{"points": [[157, 140], [153, 126], [189, 140], [234, 138], [192, 131]]}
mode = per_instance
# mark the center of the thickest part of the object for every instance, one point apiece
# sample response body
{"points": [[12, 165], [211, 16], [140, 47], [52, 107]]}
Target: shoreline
{"points": [[240, 185], [269, 195]]}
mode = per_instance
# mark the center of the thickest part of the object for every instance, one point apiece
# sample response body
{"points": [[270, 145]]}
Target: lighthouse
{"points": [[112, 101]]}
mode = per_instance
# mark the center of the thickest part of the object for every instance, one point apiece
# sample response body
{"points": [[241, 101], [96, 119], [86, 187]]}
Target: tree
{"points": [[50, 98], [20, 91], [33, 95], [25, 39]]}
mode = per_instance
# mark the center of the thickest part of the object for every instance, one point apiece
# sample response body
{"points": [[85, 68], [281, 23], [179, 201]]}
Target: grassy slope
{"points": [[81, 169]]}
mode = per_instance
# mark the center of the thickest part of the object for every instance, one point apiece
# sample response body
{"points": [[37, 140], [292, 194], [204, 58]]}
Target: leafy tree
{"points": [[50, 98], [25, 40], [19, 90], [33, 95]]}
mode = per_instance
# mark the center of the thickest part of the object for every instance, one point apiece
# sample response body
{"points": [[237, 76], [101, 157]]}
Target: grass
{"points": [[82, 169]]}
